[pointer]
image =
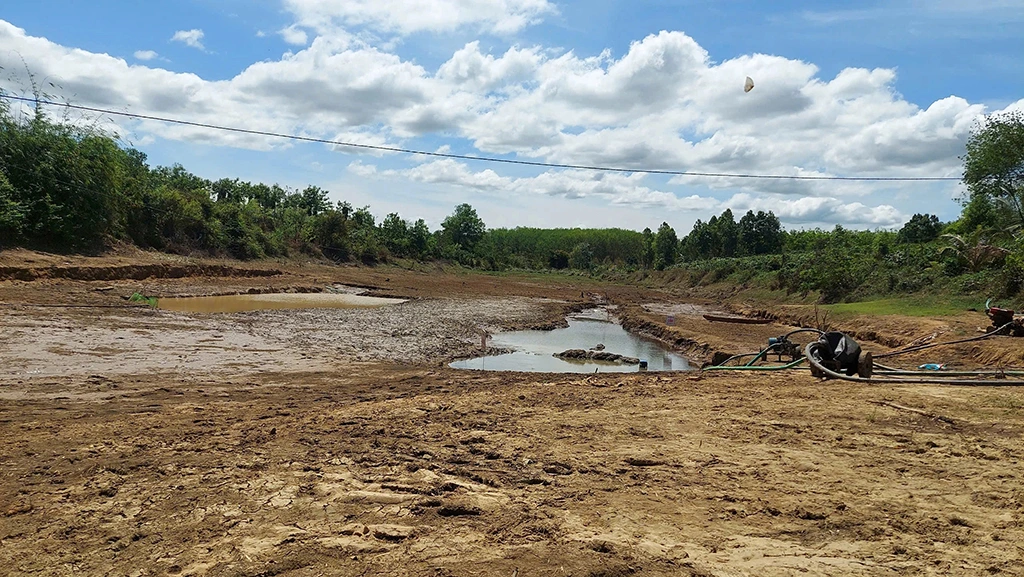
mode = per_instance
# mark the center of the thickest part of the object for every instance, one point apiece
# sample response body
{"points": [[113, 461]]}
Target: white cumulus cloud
{"points": [[663, 104], [409, 16], [616, 188], [145, 55], [193, 38], [295, 35], [817, 211]]}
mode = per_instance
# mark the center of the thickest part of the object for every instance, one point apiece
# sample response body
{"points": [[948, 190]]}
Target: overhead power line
{"points": [[475, 158]]}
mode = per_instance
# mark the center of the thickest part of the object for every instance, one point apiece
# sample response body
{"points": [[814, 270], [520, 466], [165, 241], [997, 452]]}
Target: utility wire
{"points": [[475, 158]]}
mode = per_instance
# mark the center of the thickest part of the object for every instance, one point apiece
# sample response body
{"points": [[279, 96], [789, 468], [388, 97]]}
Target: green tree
{"points": [[362, 218], [394, 233], [760, 233], [464, 228], [920, 228], [11, 214], [269, 197], [1013, 269], [727, 232], [177, 178], [666, 247], [994, 163], [698, 244], [979, 212], [227, 190], [364, 236], [314, 200], [581, 257], [647, 257], [419, 239], [291, 222], [329, 231]]}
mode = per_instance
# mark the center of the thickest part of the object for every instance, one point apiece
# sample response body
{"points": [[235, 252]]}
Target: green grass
{"points": [[914, 306]]}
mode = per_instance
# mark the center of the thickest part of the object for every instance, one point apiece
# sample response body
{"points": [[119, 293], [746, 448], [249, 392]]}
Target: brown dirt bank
{"points": [[335, 442]]}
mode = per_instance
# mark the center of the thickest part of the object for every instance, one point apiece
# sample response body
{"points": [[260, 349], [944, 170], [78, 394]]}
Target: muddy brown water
{"points": [[273, 301]]}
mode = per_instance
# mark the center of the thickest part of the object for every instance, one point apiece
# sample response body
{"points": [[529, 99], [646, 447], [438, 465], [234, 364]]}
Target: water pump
{"points": [[840, 353]]}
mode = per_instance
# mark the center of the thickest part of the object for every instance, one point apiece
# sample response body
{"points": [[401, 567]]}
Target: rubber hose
{"points": [[798, 331], [880, 368], [903, 380], [923, 347], [759, 355], [734, 357]]}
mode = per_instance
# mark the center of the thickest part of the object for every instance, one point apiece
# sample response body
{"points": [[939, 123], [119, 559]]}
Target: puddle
{"points": [[534, 349], [243, 303]]}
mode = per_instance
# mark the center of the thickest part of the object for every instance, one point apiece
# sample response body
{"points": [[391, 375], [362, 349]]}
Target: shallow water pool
{"points": [[534, 350]]}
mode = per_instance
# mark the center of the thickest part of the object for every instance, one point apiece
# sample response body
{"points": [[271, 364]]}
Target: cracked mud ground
{"points": [[337, 443]]}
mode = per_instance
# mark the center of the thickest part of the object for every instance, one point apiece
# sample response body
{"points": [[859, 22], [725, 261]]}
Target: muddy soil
{"points": [[336, 442], [44, 343]]}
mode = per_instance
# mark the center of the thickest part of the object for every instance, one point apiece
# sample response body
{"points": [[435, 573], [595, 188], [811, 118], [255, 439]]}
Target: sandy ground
{"points": [[336, 442]]}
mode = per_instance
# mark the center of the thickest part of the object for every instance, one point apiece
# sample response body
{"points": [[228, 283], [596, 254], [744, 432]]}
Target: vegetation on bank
{"points": [[65, 187]]}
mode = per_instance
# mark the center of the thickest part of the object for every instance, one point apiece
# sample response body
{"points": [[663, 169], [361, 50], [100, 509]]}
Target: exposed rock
{"points": [[392, 532], [582, 355], [718, 358]]}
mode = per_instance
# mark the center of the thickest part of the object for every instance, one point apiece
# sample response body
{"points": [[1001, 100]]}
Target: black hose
{"points": [[816, 363], [798, 331], [923, 347], [884, 369]]}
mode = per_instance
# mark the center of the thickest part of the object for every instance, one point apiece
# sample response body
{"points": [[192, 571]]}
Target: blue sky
{"points": [[842, 88]]}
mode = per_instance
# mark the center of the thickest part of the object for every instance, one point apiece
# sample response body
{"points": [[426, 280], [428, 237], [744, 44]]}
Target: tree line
{"points": [[65, 187]]}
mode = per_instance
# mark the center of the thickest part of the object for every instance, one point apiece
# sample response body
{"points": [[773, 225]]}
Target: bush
{"points": [[581, 257], [12, 214], [1013, 270], [559, 259]]}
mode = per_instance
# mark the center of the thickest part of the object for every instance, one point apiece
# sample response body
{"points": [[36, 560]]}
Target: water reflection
{"points": [[534, 350]]}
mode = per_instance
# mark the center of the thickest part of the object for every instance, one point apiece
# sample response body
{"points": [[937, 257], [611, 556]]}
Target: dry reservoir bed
{"points": [[60, 342], [335, 442]]}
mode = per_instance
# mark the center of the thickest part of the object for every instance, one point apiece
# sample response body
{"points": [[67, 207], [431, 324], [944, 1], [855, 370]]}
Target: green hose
{"points": [[734, 357], [758, 356]]}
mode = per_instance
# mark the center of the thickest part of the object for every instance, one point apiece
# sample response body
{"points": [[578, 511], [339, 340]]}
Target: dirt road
{"points": [[140, 442]]}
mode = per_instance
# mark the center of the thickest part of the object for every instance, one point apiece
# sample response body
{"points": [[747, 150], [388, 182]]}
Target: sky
{"points": [[855, 89]]}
